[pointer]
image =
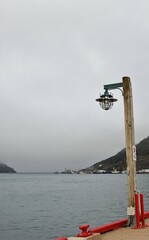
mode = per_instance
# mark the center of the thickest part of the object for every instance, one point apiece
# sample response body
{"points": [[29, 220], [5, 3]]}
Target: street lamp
{"points": [[106, 102]]}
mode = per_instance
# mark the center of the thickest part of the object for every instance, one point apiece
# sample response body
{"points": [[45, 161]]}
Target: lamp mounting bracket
{"points": [[113, 86]]}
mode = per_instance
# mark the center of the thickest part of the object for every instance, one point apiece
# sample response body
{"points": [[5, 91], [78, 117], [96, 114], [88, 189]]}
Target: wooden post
{"points": [[130, 141]]}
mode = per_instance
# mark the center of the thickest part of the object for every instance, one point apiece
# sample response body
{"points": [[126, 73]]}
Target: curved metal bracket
{"points": [[114, 86], [121, 91]]}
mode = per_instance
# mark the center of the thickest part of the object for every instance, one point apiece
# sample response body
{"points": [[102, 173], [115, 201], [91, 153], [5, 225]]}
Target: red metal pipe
{"points": [[142, 209], [137, 210], [109, 226], [146, 214]]}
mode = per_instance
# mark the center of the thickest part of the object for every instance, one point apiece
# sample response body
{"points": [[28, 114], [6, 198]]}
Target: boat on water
{"points": [[115, 172], [144, 171]]}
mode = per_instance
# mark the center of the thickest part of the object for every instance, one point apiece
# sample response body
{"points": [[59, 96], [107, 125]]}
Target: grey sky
{"points": [[55, 57]]}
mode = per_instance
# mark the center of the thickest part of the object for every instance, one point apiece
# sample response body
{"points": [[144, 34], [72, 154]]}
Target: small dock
{"points": [[127, 233], [118, 230], [122, 233]]}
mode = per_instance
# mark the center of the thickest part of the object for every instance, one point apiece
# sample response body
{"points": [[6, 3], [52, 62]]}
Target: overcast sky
{"points": [[55, 57]]}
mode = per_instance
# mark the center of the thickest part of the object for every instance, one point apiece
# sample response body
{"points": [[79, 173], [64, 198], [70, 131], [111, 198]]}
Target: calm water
{"points": [[45, 206]]}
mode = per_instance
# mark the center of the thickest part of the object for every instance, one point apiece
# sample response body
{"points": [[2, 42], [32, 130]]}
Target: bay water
{"points": [[46, 206]]}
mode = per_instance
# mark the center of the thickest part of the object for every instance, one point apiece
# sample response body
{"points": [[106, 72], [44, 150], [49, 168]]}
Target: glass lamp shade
{"points": [[106, 100]]}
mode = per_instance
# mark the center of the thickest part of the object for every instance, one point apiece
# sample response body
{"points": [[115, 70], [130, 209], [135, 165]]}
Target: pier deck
{"points": [[127, 234]]}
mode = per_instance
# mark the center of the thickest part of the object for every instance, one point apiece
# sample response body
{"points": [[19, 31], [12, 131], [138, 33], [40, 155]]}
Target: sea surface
{"points": [[46, 206]]}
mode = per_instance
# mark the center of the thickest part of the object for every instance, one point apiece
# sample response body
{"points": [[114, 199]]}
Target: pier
{"points": [[115, 231], [127, 233]]}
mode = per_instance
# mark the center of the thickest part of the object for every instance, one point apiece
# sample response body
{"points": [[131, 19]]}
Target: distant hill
{"points": [[118, 161], [6, 169]]}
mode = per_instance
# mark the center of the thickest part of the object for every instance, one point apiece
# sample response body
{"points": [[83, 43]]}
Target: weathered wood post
{"points": [[130, 142], [106, 101]]}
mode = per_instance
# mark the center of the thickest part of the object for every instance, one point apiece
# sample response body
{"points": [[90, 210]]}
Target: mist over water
{"points": [[45, 206]]}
